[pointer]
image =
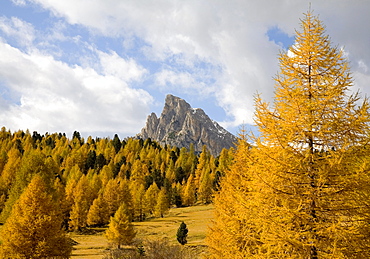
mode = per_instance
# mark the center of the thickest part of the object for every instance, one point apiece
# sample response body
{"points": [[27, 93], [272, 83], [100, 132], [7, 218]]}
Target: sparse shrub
{"points": [[153, 249]]}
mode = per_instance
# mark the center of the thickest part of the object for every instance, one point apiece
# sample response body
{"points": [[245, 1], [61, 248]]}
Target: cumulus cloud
{"points": [[229, 38], [55, 97], [114, 65]]}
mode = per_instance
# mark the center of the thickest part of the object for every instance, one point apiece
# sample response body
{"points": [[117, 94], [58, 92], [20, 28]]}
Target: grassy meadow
{"points": [[93, 244]]}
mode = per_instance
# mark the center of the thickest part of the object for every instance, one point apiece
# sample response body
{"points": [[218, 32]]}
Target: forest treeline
{"points": [[90, 179], [301, 190]]}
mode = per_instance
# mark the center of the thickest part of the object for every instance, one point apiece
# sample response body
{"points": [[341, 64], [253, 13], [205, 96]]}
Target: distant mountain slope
{"points": [[180, 125]]}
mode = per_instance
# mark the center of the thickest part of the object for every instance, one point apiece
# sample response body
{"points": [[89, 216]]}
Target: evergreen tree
{"points": [[182, 234], [100, 162], [120, 230], [176, 195], [33, 229], [90, 160], [116, 142], [302, 190]]}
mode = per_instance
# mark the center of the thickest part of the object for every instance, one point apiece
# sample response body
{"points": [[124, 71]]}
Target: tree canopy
{"points": [[34, 227], [120, 230], [302, 190]]}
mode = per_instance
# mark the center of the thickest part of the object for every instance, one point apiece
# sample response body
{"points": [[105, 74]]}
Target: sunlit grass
{"points": [[197, 219]]}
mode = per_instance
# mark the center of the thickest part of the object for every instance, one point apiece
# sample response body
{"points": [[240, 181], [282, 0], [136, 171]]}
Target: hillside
{"points": [[90, 179], [197, 218]]}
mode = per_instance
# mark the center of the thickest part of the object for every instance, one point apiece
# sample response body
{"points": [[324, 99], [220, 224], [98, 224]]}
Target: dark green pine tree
{"points": [[182, 233], [116, 143]]}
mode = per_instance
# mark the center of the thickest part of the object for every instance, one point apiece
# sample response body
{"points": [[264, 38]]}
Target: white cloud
{"points": [[229, 35], [362, 66], [21, 31], [55, 97], [186, 82], [226, 34], [361, 82], [114, 65], [19, 2]]}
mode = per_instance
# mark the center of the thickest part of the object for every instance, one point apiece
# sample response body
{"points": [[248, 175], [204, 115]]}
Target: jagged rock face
{"points": [[180, 125]]}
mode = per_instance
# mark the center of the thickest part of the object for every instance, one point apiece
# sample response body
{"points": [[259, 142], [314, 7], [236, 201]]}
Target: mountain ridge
{"points": [[181, 125]]}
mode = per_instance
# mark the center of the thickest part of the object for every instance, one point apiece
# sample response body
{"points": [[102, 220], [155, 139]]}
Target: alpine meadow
{"points": [[302, 189], [299, 188]]}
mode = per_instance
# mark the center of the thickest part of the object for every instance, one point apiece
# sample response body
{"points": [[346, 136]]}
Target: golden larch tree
{"points": [[120, 230], [10, 168], [111, 196], [98, 213], [81, 205], [125, 196], [33, 161], [302, 191], [163, 204], [33, 229], [138, 200], [150, 198], [188, 195], [205, 188], [202, 166]]}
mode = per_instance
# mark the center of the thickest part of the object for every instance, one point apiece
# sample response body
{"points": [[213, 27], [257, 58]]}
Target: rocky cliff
{"points": [[180, 125]]}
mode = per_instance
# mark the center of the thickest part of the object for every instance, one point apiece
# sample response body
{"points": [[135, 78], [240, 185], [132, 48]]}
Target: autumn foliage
{"points": [[302, 189], [33, 229], [88, 180], [120, 230]]}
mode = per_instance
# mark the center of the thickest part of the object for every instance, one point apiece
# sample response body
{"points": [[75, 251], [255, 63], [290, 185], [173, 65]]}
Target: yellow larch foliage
{"points": [[10, 168], [205, 190], [33, 229], [138, 200], [201, 166], [188, 197], [302, 191], [226, 238], [81, 204], [98, 213], [163, 204], [150, 198], [120, 230], [111, 196], [125, 196]]}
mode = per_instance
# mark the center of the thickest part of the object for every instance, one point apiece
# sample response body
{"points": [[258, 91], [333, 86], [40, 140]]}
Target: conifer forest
{"points": [[300, 188], [88, 181]]}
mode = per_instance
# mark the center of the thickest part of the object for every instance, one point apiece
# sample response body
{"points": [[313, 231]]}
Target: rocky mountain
{"points": [[180, 125]]}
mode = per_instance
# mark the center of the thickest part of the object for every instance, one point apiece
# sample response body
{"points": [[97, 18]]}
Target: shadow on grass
{"points": [[91, 231]]}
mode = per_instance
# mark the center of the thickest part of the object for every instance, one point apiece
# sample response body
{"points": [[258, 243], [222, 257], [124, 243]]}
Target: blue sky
{"points": [[101, 67]]}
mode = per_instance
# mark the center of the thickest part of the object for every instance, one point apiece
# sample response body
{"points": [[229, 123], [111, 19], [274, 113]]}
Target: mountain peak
{"points": [[174, 100], [181, 125]]}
